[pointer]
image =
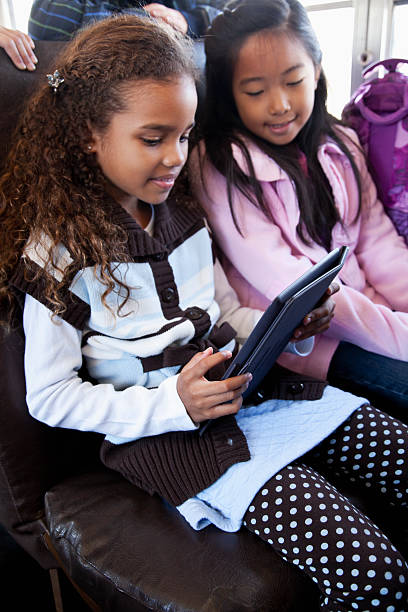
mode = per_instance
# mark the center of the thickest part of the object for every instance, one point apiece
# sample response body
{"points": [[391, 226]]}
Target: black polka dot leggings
{"points": [[312, 525]]}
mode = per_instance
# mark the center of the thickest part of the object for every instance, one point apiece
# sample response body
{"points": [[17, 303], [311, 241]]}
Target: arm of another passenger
{"points": [[19, 47], [191, 17], [174, 18]]}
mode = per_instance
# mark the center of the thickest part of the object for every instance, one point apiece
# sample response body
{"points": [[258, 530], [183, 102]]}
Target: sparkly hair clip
{"points": [[55, 80]]}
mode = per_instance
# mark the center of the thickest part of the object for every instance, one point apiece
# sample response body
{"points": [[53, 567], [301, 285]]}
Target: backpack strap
{"points": [[373, 117], [390, 65]]}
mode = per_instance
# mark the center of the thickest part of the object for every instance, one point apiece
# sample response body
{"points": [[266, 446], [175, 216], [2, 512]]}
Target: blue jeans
{"points": [[382, 380]]}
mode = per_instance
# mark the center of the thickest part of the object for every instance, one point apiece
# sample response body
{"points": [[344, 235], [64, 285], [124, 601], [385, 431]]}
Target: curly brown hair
{"points": [[50, 187]]}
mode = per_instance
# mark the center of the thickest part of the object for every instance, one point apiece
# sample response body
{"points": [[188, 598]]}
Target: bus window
{"points": [[399, 40], [334, 28]]}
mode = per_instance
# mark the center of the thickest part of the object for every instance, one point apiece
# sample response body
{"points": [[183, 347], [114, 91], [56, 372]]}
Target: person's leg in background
{"points": [[381, 380]]}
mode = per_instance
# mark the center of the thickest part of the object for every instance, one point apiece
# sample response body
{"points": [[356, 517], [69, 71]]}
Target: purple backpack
{"points": [[378, 112]]}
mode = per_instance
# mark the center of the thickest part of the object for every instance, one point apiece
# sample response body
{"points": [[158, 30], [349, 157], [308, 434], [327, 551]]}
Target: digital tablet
{"points": [[276, 326]]}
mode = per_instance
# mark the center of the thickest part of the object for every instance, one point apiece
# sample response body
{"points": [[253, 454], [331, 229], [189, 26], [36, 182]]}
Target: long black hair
{"points": [[222, 125]]}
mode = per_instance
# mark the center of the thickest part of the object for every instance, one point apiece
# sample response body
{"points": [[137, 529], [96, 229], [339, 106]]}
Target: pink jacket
{"points": [[372, 305]]}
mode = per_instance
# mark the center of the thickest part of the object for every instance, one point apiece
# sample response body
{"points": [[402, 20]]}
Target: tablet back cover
{"points": [[276, 326]]}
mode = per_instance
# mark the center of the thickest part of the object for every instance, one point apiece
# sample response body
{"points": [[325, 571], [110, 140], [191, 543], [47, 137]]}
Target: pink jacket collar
{"points": [[266, 169]]}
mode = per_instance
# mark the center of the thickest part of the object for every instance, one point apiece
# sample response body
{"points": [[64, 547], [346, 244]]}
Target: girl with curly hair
{"points": [[114, 265]]}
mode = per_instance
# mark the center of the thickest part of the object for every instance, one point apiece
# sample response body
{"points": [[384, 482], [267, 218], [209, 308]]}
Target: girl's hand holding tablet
{"points": [[206, 399], [318, 321]]}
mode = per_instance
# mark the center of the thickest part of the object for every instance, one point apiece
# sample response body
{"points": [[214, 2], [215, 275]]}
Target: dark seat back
{"points": [[16, 86], [33, 456]]}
